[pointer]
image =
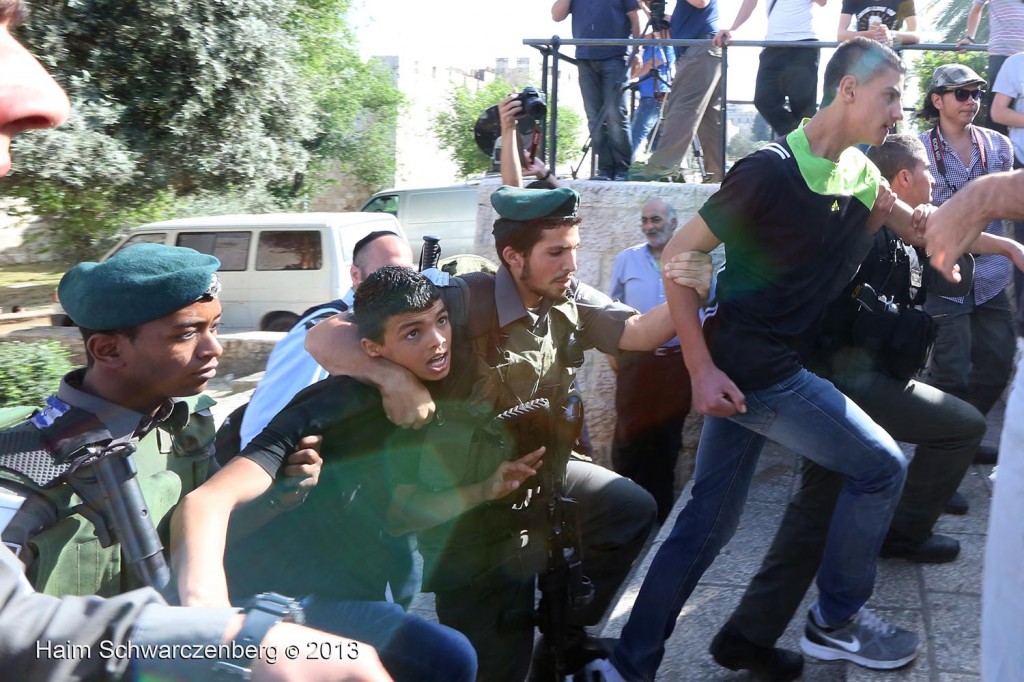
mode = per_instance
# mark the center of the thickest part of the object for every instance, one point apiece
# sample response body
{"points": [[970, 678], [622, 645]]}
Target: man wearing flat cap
{"points": [[520, 335], [148, 318], [973, 354]]}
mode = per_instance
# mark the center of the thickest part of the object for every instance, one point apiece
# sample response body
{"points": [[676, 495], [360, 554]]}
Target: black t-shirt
{"points": [[789, 252], [330, 545], [892, 12]]}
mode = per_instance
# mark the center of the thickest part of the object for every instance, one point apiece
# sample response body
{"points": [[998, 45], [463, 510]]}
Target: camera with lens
{"points": [[533, 103], [658, 21]]}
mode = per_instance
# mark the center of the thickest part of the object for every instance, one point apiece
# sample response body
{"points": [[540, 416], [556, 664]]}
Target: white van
{"points": [[274, 266], [445, 212]]}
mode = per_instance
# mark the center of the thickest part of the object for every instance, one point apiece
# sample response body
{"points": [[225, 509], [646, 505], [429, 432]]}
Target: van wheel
{"points": [[279, 322]]}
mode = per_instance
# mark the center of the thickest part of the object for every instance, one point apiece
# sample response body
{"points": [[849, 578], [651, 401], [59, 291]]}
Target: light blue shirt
{"points": [[289, 370], [636, 281]]}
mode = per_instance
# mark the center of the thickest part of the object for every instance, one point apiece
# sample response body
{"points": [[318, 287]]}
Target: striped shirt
{"points": [[1005, 26], [991, 273]]}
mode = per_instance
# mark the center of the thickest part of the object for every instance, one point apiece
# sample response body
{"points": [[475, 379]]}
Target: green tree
{"points": [[951, 19], [242, 99], [453, 127]]}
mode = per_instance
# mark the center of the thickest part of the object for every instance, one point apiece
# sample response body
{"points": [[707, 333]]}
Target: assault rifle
{"points": [[564, 589], [106, 480]]}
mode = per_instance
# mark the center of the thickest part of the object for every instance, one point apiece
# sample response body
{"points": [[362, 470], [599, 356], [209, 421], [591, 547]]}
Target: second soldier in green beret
{"points": [[521, 336]]}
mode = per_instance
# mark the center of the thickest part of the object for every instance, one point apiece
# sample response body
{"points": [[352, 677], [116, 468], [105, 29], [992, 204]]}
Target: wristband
{"points": [[266, 610], [968, 38], [546, 175]]}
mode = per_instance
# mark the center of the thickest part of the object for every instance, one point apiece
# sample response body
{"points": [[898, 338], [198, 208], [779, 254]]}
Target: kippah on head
{"points": [[138, 284], [521, 205]]}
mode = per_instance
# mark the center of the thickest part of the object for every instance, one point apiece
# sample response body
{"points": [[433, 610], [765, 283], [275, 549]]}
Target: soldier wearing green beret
{"points": [[92, 638], [521, 337]]}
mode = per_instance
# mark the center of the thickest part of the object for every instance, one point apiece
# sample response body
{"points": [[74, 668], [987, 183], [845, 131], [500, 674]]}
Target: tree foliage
{"points": [[178, 98], [29, 371], [951, 18], [453, 126]]}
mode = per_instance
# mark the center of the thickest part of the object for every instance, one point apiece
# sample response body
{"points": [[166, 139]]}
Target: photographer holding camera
{"points": [[604, 75], [515, 166]]}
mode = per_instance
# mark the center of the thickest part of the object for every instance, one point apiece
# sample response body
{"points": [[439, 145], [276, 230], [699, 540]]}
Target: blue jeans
{"points": [[410, 647], [644, 117], [602, 83], [806, 414]]}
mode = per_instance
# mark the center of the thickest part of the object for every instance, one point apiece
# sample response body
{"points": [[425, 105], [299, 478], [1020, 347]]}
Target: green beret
{"points": [[522, 205], [138, 284]]}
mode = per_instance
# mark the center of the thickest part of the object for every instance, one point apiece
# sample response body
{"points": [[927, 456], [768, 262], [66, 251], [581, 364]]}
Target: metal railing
{"points": [[550, 48]]}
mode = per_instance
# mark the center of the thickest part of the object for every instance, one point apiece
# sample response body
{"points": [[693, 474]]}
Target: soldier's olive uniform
{"points": [[482, 565], [174, 450]]}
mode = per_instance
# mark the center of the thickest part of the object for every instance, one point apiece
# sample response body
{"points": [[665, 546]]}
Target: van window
{"points": [[289, 250], [230, 248], [384, 204], [436, 207]]}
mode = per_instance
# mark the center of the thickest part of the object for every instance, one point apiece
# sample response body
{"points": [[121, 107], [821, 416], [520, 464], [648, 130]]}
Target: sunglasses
{"points": [[963, 94]]}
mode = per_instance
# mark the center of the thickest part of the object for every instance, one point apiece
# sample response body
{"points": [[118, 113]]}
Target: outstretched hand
{"points": [[507, 478]]}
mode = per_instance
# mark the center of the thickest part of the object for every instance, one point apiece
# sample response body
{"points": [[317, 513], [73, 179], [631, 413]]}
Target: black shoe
{"points": [[938, 549], [580, 649], [957, 505], [987, 454], [601, 177], [732, 650]]}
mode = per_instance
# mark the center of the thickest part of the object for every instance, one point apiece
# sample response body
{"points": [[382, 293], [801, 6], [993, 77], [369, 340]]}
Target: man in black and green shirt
{"points": [[797, 219]]}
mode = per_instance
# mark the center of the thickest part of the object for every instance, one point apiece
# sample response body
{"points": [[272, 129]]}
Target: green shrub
{"points": [[29, 372]]}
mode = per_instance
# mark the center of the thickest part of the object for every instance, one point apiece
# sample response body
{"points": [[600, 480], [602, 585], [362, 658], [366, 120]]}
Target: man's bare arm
{"points": [[334, 343], [714, 393], [952, 229], [199, 530], [900, 218], [654, 328], [560, 10]]}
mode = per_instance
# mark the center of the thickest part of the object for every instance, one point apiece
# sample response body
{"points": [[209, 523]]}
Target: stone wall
{"points": [[611, 223]]}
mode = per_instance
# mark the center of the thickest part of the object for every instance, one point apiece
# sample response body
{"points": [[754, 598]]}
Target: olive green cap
{"points": [[138, 284], [521, 205]]}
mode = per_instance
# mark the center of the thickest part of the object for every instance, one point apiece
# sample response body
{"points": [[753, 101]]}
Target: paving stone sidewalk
{"points": [[942, 603]]}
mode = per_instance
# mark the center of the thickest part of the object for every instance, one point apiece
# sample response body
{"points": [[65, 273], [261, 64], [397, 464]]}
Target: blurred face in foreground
{"points": [[29, 97]]}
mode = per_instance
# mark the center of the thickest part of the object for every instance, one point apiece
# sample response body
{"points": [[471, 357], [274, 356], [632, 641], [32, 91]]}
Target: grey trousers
{"points": [[947, 432], [693, 107], [973, 355]]}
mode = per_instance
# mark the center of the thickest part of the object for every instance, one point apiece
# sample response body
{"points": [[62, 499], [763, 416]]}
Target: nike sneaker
{"points": [[866, 640]]}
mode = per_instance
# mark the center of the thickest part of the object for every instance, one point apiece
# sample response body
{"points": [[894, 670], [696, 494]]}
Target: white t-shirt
{"points": [[789, 20], [1010, 82]]}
